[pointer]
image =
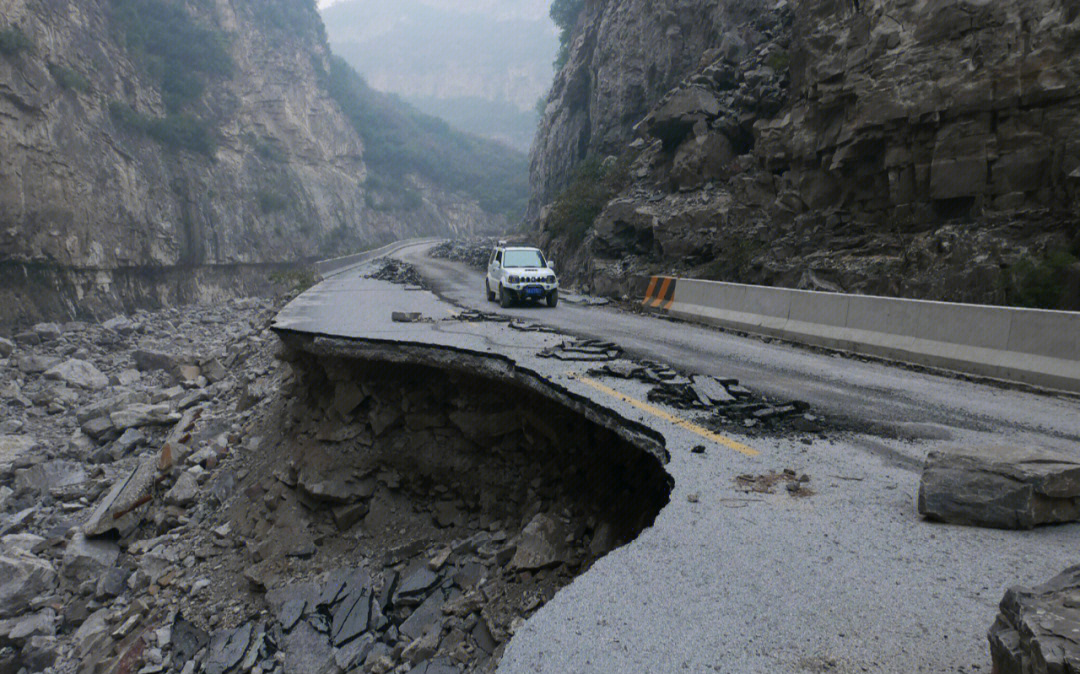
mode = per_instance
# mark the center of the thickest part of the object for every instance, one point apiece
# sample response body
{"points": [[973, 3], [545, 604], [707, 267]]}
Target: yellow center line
{"points": [[671, 418]]}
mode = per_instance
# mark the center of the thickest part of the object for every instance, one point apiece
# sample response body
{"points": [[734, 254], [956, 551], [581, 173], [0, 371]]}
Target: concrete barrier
{"points": [[1031, 346], [339, 265]]}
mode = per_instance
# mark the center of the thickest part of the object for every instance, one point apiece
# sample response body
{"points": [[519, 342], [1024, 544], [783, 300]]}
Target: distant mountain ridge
{"points": [[484, 59]]}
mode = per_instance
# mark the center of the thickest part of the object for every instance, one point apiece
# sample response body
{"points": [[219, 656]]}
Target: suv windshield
{"points": [[523, 258]]}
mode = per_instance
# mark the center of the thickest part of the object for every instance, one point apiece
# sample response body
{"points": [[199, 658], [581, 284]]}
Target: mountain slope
{"points": [[480, 60], [889, 147], [142, 138]]}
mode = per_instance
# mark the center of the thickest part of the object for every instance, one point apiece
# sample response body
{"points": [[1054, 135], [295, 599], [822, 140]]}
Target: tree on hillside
{"points": [[565, 13]]}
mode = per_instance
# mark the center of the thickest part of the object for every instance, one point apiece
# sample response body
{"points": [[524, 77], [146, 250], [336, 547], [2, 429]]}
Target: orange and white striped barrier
{"points": [[661, 292]]}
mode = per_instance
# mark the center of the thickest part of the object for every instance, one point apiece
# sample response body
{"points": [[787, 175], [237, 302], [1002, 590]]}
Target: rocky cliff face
{"points": [[904, 147], [84, 188]]}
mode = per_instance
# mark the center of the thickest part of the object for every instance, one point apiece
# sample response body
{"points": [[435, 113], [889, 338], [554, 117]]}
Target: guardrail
{"points": [[339, 265], [1031, 346]]}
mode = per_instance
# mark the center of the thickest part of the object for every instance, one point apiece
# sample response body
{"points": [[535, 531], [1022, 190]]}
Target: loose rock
{"points": [[1002, 487]]}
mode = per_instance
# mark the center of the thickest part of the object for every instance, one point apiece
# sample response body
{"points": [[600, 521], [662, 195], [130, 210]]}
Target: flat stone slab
{"points": [[1038, 629], [1000, 487]]}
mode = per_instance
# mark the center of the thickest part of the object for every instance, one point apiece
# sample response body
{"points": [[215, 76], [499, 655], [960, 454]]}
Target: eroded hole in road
{"points": [[408, 515]]}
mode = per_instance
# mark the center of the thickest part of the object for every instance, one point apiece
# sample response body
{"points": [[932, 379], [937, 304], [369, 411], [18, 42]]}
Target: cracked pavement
{"points": [[848, 579]]}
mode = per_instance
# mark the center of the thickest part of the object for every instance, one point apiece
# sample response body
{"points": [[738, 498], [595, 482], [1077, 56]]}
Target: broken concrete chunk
{"points": [[187, 640], [352, 655], [100, 429], [307, 651], [711, 390], [329, 484], [1000, 487], [480, 426], [120, 508], [347, 397], [425, 615], [406, 317], [148, 360], [1035, 632], [103, 408], [214, 371]]}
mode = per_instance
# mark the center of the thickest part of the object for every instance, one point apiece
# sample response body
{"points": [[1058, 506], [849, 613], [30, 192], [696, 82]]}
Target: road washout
{"points": [[412, 513]]}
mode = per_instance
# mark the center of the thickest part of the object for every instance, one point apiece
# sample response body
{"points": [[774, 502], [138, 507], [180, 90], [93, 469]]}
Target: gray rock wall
{"points": [[918, 149], [79, 192]]}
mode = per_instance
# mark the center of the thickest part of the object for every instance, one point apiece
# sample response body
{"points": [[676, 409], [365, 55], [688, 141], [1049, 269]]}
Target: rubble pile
{"points": [[113, 445], [473, 252], [475, 316], [401, 273], [175, 499], [447, 508], [730, 402], [583, 350]]}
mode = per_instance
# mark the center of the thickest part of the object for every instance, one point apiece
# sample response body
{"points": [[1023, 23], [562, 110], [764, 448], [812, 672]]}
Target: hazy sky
{"points": [[531, 9]]}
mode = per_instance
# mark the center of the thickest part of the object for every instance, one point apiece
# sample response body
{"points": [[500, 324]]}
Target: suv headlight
{"points": [[514, 279]]}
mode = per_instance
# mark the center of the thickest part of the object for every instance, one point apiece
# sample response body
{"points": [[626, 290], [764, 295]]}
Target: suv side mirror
{"points": [[551, 265]]}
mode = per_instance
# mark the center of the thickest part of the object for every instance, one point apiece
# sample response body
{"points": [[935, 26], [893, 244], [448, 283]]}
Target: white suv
{"points": [[520, 273]]}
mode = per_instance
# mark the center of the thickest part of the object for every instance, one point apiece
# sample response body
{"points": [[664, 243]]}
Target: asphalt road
{"points": [[847, 580], [879, 398]]}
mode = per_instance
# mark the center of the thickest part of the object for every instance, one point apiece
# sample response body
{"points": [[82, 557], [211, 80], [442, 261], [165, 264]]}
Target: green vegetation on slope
{"points": [[165, 40], [179, 132], [13, 41], [400, 141], [1039, 283], [594, 184], [291, 17], [181, 56], [565, 13], [69, 78]]}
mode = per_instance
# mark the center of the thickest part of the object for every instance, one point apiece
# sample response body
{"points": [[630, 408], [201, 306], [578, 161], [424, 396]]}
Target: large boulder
{"points": [[675, 118], [78, 373], [23, 577], [44, 477], [701, 158], [86, 559], [1036, 630], [1001, 487], [543, 544]]}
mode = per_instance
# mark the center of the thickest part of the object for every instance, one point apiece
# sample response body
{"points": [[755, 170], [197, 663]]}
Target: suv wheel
{"points": [[553, 299], [487, 291], [504, 298]]}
